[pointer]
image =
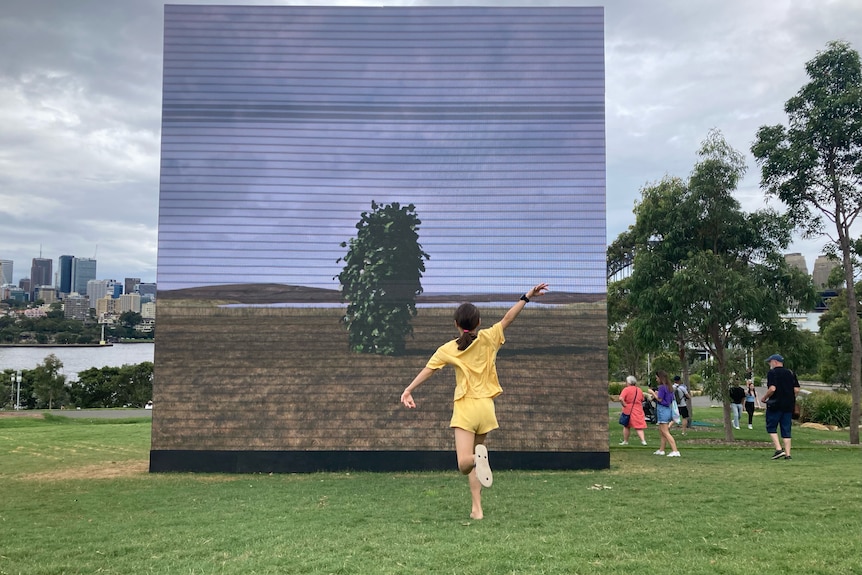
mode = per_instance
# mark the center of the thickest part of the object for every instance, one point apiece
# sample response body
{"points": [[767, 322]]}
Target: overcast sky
{"points": [[80, 109]]}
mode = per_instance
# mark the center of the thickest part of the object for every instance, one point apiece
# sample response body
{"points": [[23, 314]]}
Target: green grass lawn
{"points": [[76, 498]]}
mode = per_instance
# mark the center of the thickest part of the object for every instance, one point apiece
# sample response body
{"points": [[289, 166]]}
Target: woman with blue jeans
{"points": [[664, 399], [750, 402]]}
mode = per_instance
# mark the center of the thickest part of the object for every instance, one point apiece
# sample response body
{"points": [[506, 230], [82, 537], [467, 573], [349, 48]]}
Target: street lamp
{"points": [[18, 377]]}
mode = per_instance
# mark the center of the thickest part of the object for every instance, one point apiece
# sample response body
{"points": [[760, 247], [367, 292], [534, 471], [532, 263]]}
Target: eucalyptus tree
{"points": [[382, 277], [49, 385], [815, 167], [625, 351], [837, 356], [706, 273]]}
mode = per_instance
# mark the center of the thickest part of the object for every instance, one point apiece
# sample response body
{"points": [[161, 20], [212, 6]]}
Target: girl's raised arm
{"points": [[536, 291]]}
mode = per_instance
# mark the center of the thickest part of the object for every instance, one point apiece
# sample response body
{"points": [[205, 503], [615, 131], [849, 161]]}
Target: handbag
{"points": [[675, 412], [626, 417]]}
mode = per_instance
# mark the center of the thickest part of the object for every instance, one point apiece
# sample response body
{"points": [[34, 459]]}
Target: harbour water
{"points": [[76, 359]]}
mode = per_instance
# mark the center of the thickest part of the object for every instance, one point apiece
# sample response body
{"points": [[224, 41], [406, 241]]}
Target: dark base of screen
{"points": [[385, 461]]}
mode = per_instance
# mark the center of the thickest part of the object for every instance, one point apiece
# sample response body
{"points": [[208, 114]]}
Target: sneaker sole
{"points": [[483, 467], [778, 455]]}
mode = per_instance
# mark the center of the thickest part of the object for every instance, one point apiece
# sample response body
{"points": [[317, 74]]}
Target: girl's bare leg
{"points": [[640, 433], [664, 433], [666, 436], [465, 447]]}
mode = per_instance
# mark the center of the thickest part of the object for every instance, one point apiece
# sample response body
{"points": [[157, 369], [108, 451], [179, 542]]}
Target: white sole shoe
{"points": [[658, 453], [673, 454], [483, 468]]}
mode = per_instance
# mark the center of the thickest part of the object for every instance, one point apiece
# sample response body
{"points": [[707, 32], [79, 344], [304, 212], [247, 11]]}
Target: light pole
{"points": [[18, 401]]}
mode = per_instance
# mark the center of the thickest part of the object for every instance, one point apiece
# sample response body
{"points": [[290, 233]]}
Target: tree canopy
{"points": [[814, 166], [707, 274]]}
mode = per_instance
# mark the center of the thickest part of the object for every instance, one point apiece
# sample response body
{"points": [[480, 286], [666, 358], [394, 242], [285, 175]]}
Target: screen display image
{"points": [[334, 183]]}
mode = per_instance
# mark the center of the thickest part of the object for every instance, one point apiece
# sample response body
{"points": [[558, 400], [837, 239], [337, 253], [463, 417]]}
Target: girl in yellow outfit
{"points": [[474, 356]]}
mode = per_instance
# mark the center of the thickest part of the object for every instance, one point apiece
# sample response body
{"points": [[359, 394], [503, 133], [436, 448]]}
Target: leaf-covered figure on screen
{"points": [[381, 278]]}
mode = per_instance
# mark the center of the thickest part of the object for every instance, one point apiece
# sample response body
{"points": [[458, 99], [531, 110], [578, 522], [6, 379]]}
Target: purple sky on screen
{"points": [[265, 173]]}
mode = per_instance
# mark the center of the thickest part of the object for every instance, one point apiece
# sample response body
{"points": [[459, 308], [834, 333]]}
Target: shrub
{"points": [[827, 408], [616, 387], [694, 381]]}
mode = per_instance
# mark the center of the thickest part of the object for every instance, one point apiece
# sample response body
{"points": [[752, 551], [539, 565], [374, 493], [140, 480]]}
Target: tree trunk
{"points": [[721, 358], [683, 362], [856, 343]]}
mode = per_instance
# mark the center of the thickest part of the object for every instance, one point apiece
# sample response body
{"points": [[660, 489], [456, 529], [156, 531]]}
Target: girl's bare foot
{"points": [[476, 515]]}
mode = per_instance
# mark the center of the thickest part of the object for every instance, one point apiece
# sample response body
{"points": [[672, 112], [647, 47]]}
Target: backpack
{"points": [[680, 396]]}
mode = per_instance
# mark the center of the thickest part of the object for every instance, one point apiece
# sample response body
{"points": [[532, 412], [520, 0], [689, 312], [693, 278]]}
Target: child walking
{"points": [[473, 356]]}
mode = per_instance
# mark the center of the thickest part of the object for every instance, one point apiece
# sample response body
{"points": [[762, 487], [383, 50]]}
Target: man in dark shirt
{"points": [[737, 396], [780, 398]]}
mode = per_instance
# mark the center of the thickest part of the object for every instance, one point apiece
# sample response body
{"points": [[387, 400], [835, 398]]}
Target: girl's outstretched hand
{"points": [[407, 399], [537, 290]]}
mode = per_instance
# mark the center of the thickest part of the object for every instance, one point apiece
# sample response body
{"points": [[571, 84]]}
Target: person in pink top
{"points": [[632, 399], [473, 356]]}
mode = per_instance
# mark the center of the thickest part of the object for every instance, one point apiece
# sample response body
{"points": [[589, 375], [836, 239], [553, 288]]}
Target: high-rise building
{"points": [[41, 274], [148, 310], [65, 283], [76, 307], [129, 302], [147, 289], [97, 289], [5, 272], [130, 285], [797, 261], [823, 266], [105, 306], [83, 270], [48, 294]]}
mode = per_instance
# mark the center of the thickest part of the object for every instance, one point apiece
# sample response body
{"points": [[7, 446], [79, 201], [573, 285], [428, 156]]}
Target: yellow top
{"points": [[476, 366]]}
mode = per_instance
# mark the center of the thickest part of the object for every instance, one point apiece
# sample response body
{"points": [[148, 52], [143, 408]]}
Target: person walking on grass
{"points": [[737, 397], [664, 399], [782, 387], [473, 356], [631, 399], [751, 402], [683, 400]]}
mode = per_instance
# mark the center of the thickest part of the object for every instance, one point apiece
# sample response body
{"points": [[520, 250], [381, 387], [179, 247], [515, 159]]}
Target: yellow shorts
{"points": [[474, 414]]}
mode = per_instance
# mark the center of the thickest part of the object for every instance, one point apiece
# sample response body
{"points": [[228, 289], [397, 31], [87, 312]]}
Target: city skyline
{"points": [[56, 275]]}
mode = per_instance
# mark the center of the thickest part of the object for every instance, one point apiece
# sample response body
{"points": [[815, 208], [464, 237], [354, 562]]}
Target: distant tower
{"points": [[130, 285], [5, 272], [41, 274], [823, 266], [83, 270], [797, 261], [65, 283]]}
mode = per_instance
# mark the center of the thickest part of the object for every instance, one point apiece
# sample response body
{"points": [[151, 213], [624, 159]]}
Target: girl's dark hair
{"points": [[664, 379], [467, 320]]}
